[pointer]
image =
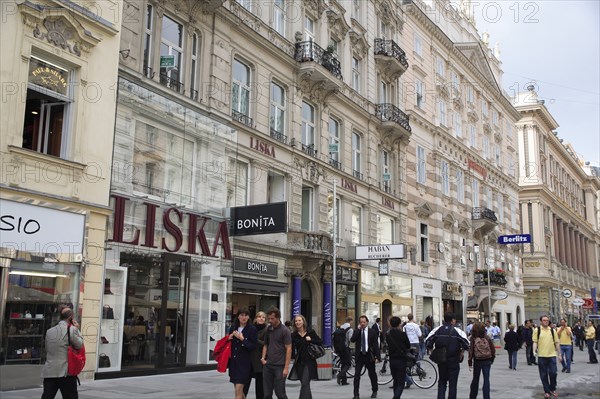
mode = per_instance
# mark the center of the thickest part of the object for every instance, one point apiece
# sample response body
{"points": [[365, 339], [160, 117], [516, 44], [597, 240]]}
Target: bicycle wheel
{"points": [[383, 371], [424, 374]]}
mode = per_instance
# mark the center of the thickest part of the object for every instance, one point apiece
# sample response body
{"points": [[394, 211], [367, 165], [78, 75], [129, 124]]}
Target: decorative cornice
{"points": [[360, 46], [315, 7], [424, 210]]}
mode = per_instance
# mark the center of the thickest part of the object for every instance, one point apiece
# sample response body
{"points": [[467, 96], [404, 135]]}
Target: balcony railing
{"points": [[495, 279], [309, 149], [391, 113], [279, 136], [335, 164], [389, 48], [311, 51], [171, 83], [242, 118], [483, 213], [357, 174]]}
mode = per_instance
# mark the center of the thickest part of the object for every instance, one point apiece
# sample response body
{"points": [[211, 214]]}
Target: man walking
{"points": [[276, 355], [367, 353], [565, 336], [55, 369], [546, 345], [455, 341], [528, 341], [579, 334], [413, 332], [343, 351]]}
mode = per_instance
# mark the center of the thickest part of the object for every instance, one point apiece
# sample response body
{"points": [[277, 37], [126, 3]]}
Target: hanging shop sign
{"points": [[498, 295], [368, 252], [259, 219], [25, 227]]}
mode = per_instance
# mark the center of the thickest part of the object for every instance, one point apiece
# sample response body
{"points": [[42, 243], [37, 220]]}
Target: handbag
{"points": [[108, 312], [222, 353], [439, 355], [315, 351], [75, 357], [103, 361]]}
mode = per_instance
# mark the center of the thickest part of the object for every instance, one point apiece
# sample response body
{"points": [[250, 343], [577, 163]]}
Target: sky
{"points": [[556, 45]]}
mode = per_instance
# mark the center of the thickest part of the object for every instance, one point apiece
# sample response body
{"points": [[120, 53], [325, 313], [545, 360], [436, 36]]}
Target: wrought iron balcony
{"points": [[279, 136], [171, 83], [242, 118], [483, 213], [311, 52], [484, 220], [496, 279], [357, 174], [394, 121], [390, 57], [309, 149], [335, 164]]}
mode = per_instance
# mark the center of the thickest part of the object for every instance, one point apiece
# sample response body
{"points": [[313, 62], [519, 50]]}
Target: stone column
{"points": [[577, 250], [557, 249], [584, 255], [566, 245]]}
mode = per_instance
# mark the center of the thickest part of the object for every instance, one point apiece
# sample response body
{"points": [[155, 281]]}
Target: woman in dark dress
{"points": [[304, 367], [260, 322], [244, 339]]}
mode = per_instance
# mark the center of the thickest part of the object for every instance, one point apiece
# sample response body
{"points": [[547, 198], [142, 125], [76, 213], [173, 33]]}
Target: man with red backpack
{"points": [[55, 371]]}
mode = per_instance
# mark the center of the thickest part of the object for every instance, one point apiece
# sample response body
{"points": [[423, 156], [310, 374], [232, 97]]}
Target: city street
{"points": [[583, 382]]}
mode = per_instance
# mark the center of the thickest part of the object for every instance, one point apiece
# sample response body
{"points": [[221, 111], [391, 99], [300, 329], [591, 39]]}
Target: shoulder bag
{"points": [[75, 357]]}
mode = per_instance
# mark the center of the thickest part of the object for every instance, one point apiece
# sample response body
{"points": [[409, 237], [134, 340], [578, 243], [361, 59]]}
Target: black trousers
{"points": [[346, 362], [67, 386], [368, 362], [258, 385]]}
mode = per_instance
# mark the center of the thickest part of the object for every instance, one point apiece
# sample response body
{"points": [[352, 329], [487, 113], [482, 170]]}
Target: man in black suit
{"points": [[367, 353]]}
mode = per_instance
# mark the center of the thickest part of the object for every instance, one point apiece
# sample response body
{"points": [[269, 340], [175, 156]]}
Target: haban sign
{"points": [[173, 223]]}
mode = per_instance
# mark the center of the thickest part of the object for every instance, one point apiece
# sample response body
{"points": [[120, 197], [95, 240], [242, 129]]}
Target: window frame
{"points": [[279, 17], [356, 232], [148, 41], [356, 152], [386, 168], [423, 242], [307, 216], [475, 193], [278, 107], [442, 112], [392, 232], [356, 74], [419, 96], [174, 47], [308, 124], [460, 185], [418, 47], [445, 172], [237, 104], [334, 137], [421, 165]]}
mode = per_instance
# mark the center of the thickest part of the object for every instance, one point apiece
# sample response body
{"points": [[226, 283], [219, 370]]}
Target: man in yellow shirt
{"points": [[565, 336], [546, 345]]}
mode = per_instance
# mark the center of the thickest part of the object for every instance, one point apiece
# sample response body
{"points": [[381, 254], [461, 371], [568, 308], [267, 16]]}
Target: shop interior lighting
{"points": [[37, 274]]}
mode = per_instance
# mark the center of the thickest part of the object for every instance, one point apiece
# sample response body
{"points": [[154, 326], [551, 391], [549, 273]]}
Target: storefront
{"points": [[346, 291], [452, 300], [41, 271], [427, 294]]}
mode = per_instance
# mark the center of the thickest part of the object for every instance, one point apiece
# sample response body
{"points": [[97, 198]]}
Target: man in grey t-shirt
{"points": [[276, 355]]}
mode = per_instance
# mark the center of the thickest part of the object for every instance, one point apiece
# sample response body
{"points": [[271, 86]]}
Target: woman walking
{"points": [[243, 337], [481, 356], [512, 344], [260, 322], [305, 368], [398, 348], [590, 337]]}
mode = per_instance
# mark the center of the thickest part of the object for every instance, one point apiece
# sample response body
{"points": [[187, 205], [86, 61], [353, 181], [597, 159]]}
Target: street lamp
{"points": [[334, 262]]}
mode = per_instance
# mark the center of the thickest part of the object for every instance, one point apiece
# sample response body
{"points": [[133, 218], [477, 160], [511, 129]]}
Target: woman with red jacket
{"points": [[243, 337]]}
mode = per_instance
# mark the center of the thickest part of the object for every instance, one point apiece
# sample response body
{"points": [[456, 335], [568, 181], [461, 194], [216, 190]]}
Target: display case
{"points": [[25, 327], [110, 339]]}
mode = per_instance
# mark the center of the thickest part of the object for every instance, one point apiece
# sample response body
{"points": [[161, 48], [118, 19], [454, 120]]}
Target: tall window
{"points": [[384, 30], [356, 74], [418, 47], [460, 186], [309, 29], [171, 43], [495, 117], [498, 156], [46, 128], [355, 12], [421, 172], [442, 112], [279, 16], [356, 149], [337, 218], [424, 243], [470, 95], [484, 107], [486, 147], [150, 177], [489, 198], [501, 207], [472, 136], [419, 98], [475, 193], [194, 67], [457, 124], [237, 183], [240, 88], [513, 215], [308, 124], [307, 209], [275, 187], [511, 166], [385, 229], [445, 169], [440, 66], [455, 83], [148, 41], [334, 140], [356, 228], [383, 92], [278, 106], [386, 176]]}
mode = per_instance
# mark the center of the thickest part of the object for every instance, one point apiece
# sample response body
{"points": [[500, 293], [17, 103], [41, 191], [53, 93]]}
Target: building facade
{"points": [[58, 71], [559, 204]]}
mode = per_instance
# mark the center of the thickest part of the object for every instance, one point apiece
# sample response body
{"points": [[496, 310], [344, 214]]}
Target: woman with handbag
{"points": [[305, 367], [243, 337]]}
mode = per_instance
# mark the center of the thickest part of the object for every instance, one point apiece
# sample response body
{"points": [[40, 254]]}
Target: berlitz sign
{"points": [[388, 251], [259, 219], [172, 223], [255, 267], [515, 239]]}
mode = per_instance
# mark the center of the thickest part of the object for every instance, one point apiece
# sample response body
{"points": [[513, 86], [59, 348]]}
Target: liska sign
{"points": [[174, 222]]}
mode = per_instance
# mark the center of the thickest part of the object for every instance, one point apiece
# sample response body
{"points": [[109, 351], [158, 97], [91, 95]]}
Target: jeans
{"points": [[448, 376], [480, 366], [512, 359], [66, 385], [422, 350], [529, 353], [273, 380], [565, 352], [547, 369], [369, 363], [398, 369], [590, 345]]}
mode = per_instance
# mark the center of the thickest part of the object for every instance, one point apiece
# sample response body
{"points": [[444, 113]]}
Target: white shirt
{"points": [[413, 331]]}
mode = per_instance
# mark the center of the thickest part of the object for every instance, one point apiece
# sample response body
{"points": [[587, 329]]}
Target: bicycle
{"points": [[422, 372], [336, 365]]}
